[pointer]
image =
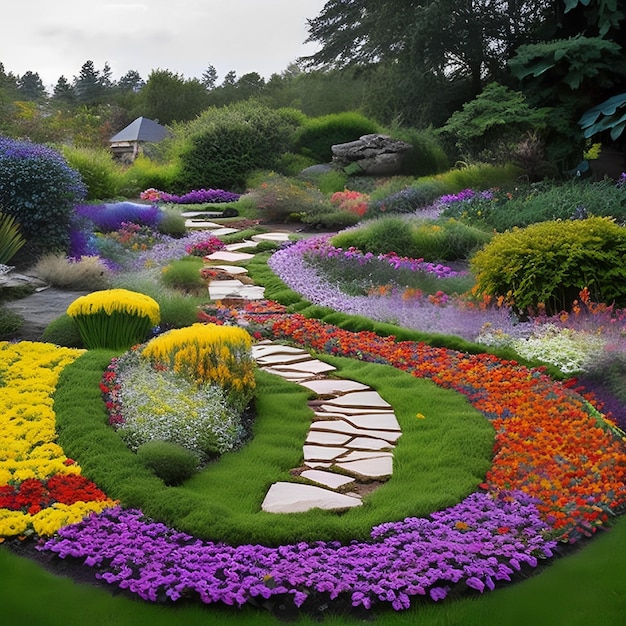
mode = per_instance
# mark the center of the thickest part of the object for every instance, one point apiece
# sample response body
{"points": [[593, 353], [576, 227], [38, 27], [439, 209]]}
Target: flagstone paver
{"points": [[328, 479], [286, 497], [226, 256]]}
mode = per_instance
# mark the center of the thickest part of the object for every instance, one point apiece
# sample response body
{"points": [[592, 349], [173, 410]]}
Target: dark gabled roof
{"points": [[142, 129]]}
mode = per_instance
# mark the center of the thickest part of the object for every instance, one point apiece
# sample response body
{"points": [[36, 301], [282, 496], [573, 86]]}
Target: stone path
{"points": [[349, 447]]}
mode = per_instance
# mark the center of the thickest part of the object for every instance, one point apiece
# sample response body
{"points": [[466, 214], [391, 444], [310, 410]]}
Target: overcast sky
{"points": [[56, 37]]}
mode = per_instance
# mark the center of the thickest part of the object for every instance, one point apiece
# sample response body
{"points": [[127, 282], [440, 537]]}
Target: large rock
{"points": [[375, 155]]}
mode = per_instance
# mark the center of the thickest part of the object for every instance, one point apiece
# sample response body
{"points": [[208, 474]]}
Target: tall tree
{"points": [[63, 93], [209, 78], [30, 87], [169, 97], [88, 85]]}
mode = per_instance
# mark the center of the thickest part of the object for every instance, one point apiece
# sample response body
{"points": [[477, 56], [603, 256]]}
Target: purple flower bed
{"points": [[320, 247], [109, 217], [472, 545], [201, 196], [290, 265]]}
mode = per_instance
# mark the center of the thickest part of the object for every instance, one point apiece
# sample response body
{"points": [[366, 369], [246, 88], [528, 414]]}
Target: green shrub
{"points": [[446, 240], [172, 463], [551, 262], [319, 134], [428, 155], [39, 189], [432, 240], [184, 275], [172, 223], [63, 331], [291, 164], [223, 146], [479, 176], [98, 170], [145, 173], [277, 198], [389, 234]]}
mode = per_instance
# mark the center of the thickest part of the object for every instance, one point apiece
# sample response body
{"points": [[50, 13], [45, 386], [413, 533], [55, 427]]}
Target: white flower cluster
{"points": [[164, 406], [568, 349]]}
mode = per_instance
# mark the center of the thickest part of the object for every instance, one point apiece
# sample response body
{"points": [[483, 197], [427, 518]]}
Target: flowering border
{"points": [[558, 474]]}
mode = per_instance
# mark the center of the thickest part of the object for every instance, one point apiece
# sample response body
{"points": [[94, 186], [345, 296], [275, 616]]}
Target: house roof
{"points": [[142, 129]]}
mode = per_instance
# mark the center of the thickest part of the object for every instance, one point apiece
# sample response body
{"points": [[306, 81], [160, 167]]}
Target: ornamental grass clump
{"points": [[208, 354], [114, 318]]}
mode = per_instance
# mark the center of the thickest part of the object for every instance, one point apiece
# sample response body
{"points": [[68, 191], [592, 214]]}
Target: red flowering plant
{"points": [[351, 201], [205, 247]]}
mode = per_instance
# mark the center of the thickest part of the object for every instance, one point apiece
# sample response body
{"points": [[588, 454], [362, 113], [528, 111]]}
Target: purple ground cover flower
{"points": [[290, 265], [474, 544]]}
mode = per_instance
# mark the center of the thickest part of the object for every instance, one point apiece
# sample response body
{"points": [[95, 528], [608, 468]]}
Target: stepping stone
{"points": [[322, 453], [374, 421], [235, 270], [263, 349], [233, 247], [323, 438], [328, 479], [225, 255], [367, 399], [201, 224], [380, 467], [220, 232], [221, 289], [312, 366], [368, 443], [204, 214], [296, 498], [294, 377], [330, 386], [341, 426], [285, 359], [279, 237]]}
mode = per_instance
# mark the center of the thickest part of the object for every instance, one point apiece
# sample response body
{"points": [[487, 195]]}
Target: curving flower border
{"points": [[558, 474], [41, 490]]}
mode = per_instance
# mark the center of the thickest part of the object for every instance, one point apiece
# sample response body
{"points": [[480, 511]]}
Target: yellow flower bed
{"points": [[28, 375]]}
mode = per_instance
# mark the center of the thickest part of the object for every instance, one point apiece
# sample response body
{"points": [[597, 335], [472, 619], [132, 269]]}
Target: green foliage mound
{"points": [[222, 147], [318, 134], [172, 463], [63, 331], [428, 155], [184, 275], [551, 262], [39, 189], [432, 240], [542, 202], [99, 172]]}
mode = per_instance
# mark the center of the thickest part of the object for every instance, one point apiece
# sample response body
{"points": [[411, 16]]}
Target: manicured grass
{"points": [[438, 461]]}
